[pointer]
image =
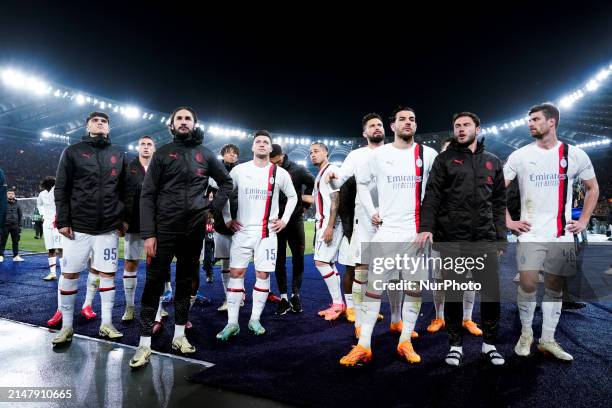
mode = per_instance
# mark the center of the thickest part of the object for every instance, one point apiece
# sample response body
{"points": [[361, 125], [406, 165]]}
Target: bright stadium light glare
{"points": [[592, 85], [603, 74], [102, 105], [566, 102], [80, 99], [131, 147], [131, 112]]}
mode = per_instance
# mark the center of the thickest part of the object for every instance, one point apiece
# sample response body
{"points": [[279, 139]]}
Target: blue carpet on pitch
{"points": [[296, 361]]}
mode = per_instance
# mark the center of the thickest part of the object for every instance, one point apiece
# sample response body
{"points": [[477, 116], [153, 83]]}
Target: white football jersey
{"points": [[258, 192], [401, 176], [322, 194], [46, 205], [545, 179]]}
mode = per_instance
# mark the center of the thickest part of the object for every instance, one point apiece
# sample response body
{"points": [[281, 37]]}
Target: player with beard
{"points": [[173, 210], [439, 295], [400, 170], [258, 183], [546, 170], [464, 214]]}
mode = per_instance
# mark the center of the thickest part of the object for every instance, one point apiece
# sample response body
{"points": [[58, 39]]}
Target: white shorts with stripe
{"points": [[345, 256], [53, 239], [134, 247], [324, 252], [223, 245], [247, 245], [102, 249], [555, 258], [362, 233]]}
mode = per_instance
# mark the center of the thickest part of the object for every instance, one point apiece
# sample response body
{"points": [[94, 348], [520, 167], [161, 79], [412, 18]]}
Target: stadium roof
{"points": [[32, 107]]}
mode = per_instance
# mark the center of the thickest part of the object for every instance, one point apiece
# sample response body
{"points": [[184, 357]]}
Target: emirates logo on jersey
{"points": [[198, 157], [114, 159], [489, 165]]}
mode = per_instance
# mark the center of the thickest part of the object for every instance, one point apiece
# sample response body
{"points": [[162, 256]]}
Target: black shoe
{"points": [[296, 305], [568, 305], [283, 307]]}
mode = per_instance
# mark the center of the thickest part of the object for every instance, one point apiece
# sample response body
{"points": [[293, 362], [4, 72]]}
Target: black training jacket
{"points": [[300, 177], [135, 177], [90, 193], [173, 198], [346, 209], [465, 197]]}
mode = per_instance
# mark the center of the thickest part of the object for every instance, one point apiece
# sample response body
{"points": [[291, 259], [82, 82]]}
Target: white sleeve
{"points": [[363, 176], [39, 204], [511, 167], [286, 186], [333, 187], [585, 167], [346, 171]]}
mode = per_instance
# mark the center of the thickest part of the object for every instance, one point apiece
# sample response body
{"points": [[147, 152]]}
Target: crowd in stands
{"points": [[26, 163]]}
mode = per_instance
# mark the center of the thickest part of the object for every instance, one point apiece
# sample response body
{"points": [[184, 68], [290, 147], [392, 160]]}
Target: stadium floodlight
{"points": [[144, 115], [162, 119], [131, 112], [80, 99], [88, 99], [110, 105], [102, 105], [46, 134], [603, 74], [567, 102], [57, 93], [131, 147], [219, 157], [116, 109], [592, 85]]}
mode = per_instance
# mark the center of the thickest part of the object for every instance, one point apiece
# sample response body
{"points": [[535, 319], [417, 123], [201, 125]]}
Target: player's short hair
{"points": [[277, 150], [368, 118], [228, 148], [146, 137], [97, 114], [474, 117], [397, 110], [262, 133], [47, 183], [188, 108], [549, 110], [321, 144]]}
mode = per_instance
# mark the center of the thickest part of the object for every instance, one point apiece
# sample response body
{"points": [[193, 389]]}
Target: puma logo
{"points": [[460, 162]]}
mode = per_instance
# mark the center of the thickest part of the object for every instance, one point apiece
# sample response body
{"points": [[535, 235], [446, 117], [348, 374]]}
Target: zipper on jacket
{"points": [[186, 195], [474, 208], [100, 190]]}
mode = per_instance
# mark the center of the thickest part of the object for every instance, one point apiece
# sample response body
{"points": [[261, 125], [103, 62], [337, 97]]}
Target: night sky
{"points": [[312, 72]]}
